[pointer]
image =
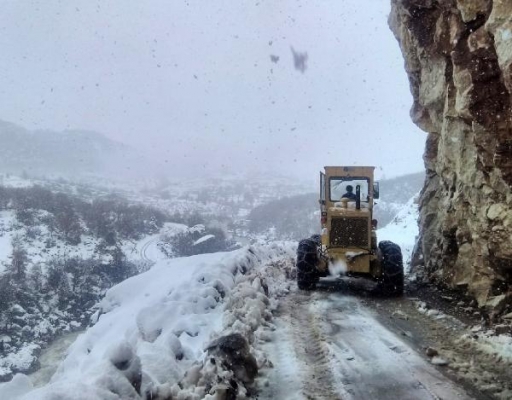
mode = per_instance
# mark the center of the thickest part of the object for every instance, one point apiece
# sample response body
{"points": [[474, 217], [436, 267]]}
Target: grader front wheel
{"points": [[307, 260]]}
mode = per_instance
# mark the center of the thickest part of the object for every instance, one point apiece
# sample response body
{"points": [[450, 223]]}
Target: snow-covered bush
{"points": [[197, 240], [70, 217]]}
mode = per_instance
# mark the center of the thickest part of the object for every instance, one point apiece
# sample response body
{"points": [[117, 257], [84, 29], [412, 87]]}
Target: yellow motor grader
{"points": [[348, 240]]}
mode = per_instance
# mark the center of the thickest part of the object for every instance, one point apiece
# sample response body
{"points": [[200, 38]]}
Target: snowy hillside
{"points": [[394, 194], [75, 241], [152, 329], [234, 325], [59, 254], [229, 201], [251, 209], [403, 230]]}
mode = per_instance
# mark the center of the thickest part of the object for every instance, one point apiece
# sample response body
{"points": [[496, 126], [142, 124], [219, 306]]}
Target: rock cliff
{"points": [[458, 56]]}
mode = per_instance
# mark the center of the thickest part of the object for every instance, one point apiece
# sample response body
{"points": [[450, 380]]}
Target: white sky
{"points": [[192, 81]]}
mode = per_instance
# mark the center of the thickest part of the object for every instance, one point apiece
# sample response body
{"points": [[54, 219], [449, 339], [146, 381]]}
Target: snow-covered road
{"points": [[148, 249], [329, 345]]}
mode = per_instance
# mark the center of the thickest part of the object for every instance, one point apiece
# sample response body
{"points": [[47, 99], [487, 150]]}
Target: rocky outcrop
{"points": [[234, 352], [458, 56]]}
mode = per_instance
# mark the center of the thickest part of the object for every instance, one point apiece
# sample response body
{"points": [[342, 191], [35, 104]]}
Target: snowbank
{"points": [[490, 343], [154, 327], [403, 230]]}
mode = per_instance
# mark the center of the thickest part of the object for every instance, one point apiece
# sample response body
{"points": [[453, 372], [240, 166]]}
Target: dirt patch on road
{"points": [[453, 331], [339, 350]]}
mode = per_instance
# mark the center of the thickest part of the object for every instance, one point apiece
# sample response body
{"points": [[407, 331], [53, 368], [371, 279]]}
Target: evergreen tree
{"points": [[6, 294], [36, 278], [19, 258]]}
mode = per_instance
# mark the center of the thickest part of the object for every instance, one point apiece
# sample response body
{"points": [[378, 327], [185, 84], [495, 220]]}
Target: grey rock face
{"points": [[458, 56]]}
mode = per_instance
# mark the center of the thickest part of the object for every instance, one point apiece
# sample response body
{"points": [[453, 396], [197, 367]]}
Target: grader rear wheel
{"points": [[392, 281]]}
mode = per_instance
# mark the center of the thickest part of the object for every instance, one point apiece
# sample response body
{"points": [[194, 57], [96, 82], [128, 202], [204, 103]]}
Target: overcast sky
{"points": [[193, 82]]}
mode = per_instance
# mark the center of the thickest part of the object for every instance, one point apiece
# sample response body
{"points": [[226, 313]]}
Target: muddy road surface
{"points": [[340, 343]]}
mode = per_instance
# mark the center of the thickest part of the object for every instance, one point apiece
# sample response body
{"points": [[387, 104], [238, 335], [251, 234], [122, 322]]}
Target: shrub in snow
{"points": [[17, 267], [26, 217], [196, 240], [33, 232], [7, 295], [70, 217], [36, 277], [194, 219]]}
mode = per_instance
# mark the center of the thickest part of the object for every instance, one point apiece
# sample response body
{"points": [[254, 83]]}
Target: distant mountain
{"points": [[71, 153]]}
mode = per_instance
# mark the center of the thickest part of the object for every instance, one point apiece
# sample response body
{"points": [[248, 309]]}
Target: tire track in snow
{"points": [[310, 345], [342, 352], [144, 250]]}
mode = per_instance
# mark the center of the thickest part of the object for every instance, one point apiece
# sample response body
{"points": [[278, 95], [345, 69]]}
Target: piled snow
{"points": [[403, 230], [153, 327], [499, 345], [19, 386]]}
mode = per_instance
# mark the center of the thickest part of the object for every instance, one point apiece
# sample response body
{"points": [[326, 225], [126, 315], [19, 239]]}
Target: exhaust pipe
{"points": [[358, 197]]}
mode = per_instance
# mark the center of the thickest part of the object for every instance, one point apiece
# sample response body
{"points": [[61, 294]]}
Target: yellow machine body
{"points": [[348, 237]]}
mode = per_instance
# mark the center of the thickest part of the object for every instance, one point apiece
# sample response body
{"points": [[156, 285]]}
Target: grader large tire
{"points": [[317, 239], [392, 281], [307, 260]]}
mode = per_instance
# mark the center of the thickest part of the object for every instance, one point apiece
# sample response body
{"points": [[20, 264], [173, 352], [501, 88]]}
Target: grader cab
{"points": [[348, 240]]}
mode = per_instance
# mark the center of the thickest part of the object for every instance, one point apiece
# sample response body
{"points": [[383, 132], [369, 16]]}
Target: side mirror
{"points": [[375, 190]]}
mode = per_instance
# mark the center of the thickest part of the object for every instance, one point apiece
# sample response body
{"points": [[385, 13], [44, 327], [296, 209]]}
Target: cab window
{"points": [[344, 186]]}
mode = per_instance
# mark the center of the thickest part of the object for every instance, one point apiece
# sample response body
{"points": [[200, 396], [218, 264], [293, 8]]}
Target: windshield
{"points": [[346, 187]]}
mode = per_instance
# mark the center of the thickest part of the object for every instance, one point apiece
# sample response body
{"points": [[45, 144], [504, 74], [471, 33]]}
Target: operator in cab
{"points": [[350, 193]]}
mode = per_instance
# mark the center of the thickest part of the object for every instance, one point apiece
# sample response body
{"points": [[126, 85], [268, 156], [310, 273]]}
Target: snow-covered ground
{"points": [[403, 230], [155, 326], [152, 333], [54, 322], [15, 181], [6, 220], [146, 251]]}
